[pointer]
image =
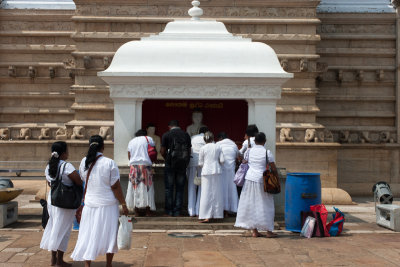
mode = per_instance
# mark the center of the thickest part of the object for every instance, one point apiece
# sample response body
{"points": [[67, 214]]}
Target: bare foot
{"points": [[271, 234], [53, 260], [257, 235], [150, 214], [205, 221], [64, 264]]}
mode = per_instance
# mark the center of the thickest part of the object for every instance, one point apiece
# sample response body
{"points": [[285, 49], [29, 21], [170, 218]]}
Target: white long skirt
{"points": [[140, 197], [230, 191], [211, 199], [97, 233], [256, 208], [194, 191], [58, 229]]}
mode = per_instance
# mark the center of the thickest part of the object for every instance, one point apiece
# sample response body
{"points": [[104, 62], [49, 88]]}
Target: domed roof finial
{"points": [[195, 12]]}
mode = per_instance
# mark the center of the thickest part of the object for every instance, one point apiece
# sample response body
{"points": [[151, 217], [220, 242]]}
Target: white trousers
{"points": [[231, 198], [194, 191]]}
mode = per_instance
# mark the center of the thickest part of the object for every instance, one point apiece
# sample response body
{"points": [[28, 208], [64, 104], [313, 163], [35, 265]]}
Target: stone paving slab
{"points": [[158, 249]]}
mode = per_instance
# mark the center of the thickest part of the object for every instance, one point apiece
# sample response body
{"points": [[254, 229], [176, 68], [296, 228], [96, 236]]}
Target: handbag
{"points": [[271, 180], [64, 196], [243, 168], [78, 213], [197, 178], [45, 212], [151, 150]]}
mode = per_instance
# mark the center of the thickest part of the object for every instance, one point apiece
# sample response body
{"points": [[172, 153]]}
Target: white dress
{"points": [[143, 195], [194, 169], [99, 222], [212, 198], [230, 151], [58, 229], [256, 208]]}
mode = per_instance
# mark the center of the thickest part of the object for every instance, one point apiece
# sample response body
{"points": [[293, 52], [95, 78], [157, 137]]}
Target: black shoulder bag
{"points": [[64, 196]]}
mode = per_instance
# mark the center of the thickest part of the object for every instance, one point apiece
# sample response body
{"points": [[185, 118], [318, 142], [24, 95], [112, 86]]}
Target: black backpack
{"points": [[179, 156]]}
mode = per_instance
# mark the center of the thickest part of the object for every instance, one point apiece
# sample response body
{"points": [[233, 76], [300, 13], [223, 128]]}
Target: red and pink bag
{"points": [[151, 150], [320, 208]]}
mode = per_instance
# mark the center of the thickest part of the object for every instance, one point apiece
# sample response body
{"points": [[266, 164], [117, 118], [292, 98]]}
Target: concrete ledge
{"points": [[335, 196], [194, 231], [149, 231]]}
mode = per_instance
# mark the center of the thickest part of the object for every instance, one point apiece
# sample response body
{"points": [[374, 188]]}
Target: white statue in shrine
{"points": [[197, 118], [151, 131]]}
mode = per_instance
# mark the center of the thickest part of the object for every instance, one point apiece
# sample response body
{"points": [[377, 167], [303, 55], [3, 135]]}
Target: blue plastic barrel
{"points": [[302, 191]]}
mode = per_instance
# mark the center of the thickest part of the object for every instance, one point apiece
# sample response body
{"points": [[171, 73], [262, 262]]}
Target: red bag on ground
{"points": [[335, 227], [320, 208]]}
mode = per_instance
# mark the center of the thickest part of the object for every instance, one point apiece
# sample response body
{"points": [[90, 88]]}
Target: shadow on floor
{"points": [[114, 264]]}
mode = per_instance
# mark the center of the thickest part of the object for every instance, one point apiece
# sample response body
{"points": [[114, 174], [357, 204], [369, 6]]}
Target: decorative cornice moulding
{"points": [[194, 92], [38, 4], [356, 6]]}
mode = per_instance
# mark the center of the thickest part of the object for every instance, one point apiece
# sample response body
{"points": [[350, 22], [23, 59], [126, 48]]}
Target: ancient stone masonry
{"points": [[339, 115], [358, 91], [35, 97]]}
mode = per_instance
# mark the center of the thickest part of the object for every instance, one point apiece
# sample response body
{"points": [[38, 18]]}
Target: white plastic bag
{"points": [[124, 232], [308, 227]]}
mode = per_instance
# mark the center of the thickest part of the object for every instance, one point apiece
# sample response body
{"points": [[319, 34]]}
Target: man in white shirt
{"points": [[230, 151], [195, 170]]}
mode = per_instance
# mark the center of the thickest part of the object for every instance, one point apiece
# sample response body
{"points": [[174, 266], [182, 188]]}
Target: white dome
{"points": [[195, 48]]}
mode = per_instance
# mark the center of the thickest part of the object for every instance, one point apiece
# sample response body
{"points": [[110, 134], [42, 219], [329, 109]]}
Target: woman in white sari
{"points": [[256, 209], [211, 199], [58, 229], [99, 222]]}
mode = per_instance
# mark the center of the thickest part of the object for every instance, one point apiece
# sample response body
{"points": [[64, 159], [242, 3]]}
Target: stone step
{"points": [[195, 225], [153, 223]]}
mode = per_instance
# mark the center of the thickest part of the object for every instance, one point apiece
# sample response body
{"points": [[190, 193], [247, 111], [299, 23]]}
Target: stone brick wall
{"points": [[35, 48], [358, 96], [338, 116]]}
